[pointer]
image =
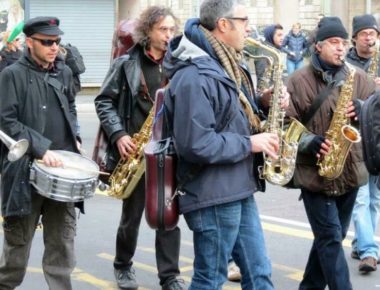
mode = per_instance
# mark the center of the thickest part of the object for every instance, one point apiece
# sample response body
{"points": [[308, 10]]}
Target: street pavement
{"points": [[287, 233]]}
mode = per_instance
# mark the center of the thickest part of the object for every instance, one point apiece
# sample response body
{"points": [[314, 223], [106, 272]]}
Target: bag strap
{"points": [[145, 87], [319, 99]]}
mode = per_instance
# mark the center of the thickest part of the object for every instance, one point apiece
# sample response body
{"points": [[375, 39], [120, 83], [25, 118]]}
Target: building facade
{"points": [[89, 24], [264, 12]]}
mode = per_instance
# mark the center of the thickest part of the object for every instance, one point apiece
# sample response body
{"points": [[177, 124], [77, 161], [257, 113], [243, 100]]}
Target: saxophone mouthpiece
{"points": [[342, 59]]}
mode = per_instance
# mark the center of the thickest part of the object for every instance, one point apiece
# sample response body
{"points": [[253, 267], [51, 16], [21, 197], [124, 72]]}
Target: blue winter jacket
{"points": [[296, 44], [210, 127]]}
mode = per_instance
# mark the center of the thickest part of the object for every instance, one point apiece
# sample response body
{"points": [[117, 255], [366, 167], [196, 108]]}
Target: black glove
{"points": [[315, 144], [358, 107]]}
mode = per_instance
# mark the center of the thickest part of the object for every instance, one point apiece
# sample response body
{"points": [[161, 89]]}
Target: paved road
{"points": [[287, 235]]}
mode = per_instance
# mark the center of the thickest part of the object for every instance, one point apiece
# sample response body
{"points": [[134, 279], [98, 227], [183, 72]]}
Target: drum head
{"points": [[75, 166]]}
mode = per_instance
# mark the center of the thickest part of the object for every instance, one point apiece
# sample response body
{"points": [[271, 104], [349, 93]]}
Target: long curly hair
{"points": [[148, 18]]}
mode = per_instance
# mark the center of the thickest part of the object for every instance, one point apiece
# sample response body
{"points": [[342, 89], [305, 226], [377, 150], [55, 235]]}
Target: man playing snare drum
{"points": [[37, 103]]}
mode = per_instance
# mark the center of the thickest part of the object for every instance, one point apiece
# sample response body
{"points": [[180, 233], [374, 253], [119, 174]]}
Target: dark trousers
{"points": [[329, 218], [59, 228], [167, 242]]}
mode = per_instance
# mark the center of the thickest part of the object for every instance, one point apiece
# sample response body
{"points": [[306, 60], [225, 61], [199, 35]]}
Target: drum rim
{"points": [[43, 169]]}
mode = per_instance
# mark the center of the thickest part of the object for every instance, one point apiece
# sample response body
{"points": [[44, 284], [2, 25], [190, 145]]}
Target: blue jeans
{"points": [[221, 230], [291, 65], [365, 217], [329, 218]]}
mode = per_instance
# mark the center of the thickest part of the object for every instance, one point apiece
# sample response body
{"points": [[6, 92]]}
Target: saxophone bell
{"points": [[351, 134], [278, 171]]}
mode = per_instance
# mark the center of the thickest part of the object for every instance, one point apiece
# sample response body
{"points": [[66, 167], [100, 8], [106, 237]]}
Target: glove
{"points": [[358, 107], [315, 144]]}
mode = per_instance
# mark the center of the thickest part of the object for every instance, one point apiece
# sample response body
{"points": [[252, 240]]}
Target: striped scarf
{"points": [[230, 59]]}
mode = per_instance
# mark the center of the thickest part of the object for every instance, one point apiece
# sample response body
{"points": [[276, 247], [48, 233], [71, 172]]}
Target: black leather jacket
{"points": [[116, 102]]}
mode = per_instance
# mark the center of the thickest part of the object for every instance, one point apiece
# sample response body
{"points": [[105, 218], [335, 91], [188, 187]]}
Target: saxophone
{"points": [[279, 171], [264, 83], [341, 134], [374, 66], [127, 173]]}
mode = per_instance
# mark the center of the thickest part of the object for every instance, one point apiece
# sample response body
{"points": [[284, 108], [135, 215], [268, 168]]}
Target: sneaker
{"points": [[126, 279], [234, 274], [174, 284], [368, 264]]}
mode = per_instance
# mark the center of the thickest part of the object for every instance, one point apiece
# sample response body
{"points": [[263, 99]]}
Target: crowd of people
{"points": [[214, 113]]}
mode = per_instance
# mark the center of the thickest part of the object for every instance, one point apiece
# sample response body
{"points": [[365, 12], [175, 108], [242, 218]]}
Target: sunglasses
{"points": [[48, 42]]}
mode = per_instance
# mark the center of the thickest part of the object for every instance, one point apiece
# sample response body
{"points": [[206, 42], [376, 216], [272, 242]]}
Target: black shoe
{"points": [[174, 284], [355, 255], [126, 279]]}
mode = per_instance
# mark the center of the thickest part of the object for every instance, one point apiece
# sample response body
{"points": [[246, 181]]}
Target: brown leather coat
{"points": [[304, 85]]}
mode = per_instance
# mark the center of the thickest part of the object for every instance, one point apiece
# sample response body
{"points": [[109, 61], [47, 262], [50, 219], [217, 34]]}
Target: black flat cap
{"points": [[42, 24]]}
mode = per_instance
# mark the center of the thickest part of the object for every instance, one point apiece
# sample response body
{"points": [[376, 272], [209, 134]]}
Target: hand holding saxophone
{"points": [[267, 143], [126, 146], [320, 146], [353, 109], [284, 98], [267, 96]]}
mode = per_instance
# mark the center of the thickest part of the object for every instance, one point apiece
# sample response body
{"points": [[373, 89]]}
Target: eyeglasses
{"points": [[244, 19], [165, 29], [371, 34], [48, 42]]}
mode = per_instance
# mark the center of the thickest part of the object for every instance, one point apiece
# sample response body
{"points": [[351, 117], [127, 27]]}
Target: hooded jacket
{"points": [[264, 72], [304, 85], [25, 89], [295, 43], [209, 126], [364, 63]]}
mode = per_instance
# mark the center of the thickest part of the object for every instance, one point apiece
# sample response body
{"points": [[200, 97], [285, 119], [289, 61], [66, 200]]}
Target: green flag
{"points": [[16, 31]]}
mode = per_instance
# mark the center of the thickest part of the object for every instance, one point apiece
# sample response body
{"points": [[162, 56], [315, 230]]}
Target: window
{"points": [[253, 3]]}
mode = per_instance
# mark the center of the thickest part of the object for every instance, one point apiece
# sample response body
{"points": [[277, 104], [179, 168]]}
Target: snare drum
{"points": [[70, 184]]}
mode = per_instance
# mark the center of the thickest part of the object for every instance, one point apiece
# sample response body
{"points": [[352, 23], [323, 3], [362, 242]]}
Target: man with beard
{"points": [[123, 104], [37, 103]]}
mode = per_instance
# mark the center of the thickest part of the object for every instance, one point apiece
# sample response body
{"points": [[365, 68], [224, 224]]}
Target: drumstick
{"points": [[79, 168]]}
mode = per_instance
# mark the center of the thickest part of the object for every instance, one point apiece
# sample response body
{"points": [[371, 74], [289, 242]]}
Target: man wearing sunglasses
{"points": [[37, 103]]}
